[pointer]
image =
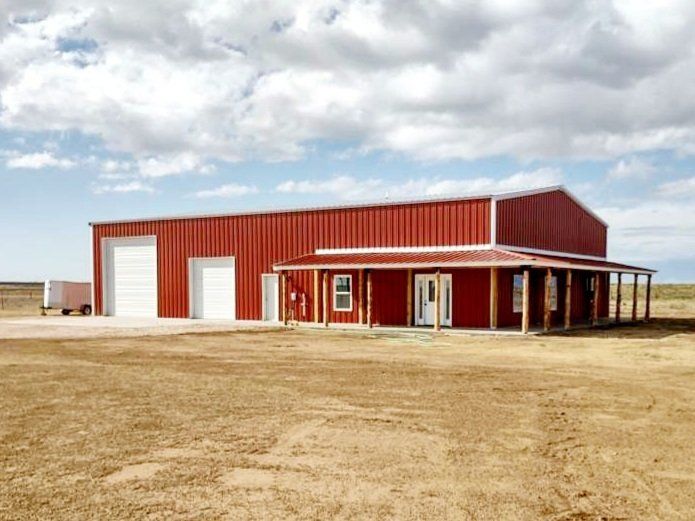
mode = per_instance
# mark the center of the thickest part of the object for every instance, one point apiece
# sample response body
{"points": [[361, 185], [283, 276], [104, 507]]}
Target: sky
{"points": [[116, 110]]}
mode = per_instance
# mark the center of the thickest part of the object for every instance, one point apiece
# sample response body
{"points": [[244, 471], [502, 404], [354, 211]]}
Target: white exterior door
{"points": [[212, 288], [130, 277], [425, 300], [271, 307]]}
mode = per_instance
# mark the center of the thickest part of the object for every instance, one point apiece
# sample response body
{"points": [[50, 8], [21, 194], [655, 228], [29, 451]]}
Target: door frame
{"points": [[264, 277], [416, 299], [191, 288]]}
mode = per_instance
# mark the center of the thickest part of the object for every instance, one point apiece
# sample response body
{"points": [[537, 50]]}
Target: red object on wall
{"points": [[558, 223], [260, 240]]}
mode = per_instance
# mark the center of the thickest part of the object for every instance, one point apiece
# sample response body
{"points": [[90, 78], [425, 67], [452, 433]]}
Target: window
{"points": [[342, 293], [553, 293], [447, 300], [518, 295]]}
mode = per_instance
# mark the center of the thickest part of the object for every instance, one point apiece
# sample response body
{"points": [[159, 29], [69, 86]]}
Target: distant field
{"points": [[17, 299]]}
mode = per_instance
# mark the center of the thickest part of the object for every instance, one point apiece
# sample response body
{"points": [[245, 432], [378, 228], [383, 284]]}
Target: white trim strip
{"points": [[92, 231], [403, 249], [534, 251], [493, 222]]}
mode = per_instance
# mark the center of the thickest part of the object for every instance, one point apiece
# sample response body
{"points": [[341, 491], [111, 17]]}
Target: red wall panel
{"points": [[389, 297], [550, 221], [470, 297], [260, 240]]}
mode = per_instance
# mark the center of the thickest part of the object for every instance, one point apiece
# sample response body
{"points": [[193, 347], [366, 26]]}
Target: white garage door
{"points": [[212, 288], [130, 268]]}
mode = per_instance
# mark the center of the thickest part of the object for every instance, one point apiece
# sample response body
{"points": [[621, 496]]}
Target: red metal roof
{"points": [[588, 264], [483, 257], [462, 259]]}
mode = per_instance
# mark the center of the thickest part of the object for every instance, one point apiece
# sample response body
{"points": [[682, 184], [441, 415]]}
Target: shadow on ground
{"points": [[655, 329]]}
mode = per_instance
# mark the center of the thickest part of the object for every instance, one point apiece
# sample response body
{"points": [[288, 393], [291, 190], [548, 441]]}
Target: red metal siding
{"points": [[260, 240], [550, 221], [470, 297], [302, 284], [389, 297]]}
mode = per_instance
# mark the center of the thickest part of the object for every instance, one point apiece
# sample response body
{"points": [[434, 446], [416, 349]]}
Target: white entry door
{"points": [[425, 300], [212, 288], [271, 307]]}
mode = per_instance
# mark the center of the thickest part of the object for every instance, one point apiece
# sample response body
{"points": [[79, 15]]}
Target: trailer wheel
{"points": [[65, 311], [86, 309]]}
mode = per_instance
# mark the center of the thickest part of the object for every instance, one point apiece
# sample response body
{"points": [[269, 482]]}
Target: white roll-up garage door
{"points": [[212, 288], [130, 277]]}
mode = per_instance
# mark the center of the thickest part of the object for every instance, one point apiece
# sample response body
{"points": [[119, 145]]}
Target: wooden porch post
{"points": [[648, 303], [493, 298], [525, 318], [546, 300], [360, 296], [594, 304], [437, 300], [634, 298], [317, 296], [369, 298], [568, 299], [618, 298], [325, 298], [283, 296], [409, 299]]}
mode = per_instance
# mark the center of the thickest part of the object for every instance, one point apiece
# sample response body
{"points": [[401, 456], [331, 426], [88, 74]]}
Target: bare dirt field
{"points": [[303, 424]]}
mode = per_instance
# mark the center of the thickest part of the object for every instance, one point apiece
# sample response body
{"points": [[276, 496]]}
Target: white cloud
{"points": [[112, 165], [680, 188], [351, 188], [343, 187], [230, 81], [39, 160], [227, 191], [164, 166], [632, 168], [651, 231], [132, 186]]}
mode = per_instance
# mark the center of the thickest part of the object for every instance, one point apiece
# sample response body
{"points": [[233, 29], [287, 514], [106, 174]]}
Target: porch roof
{"points": [[465, 258]]}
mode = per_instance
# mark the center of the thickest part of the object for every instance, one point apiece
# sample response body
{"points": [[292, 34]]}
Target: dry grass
{"points": [[321, 424], [20, 299]]}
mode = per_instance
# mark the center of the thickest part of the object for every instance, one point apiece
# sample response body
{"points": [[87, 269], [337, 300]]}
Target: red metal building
{"points": [[521, 259]]}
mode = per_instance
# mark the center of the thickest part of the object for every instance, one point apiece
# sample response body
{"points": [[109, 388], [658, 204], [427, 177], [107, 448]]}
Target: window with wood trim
{"points": [[518, 293], [342, 293], [553, 293]]}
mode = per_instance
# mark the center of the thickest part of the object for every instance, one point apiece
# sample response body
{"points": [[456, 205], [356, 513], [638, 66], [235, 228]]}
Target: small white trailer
{"points": [[67, 296]]}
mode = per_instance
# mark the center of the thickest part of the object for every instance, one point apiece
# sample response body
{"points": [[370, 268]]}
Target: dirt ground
{"points": [[303, 424]]}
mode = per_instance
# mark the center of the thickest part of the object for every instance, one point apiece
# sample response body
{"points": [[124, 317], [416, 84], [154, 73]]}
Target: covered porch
{"points": [[456, 289]]}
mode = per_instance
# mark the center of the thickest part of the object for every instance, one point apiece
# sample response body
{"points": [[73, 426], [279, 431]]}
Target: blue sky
{"points": [[181, 107]]}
